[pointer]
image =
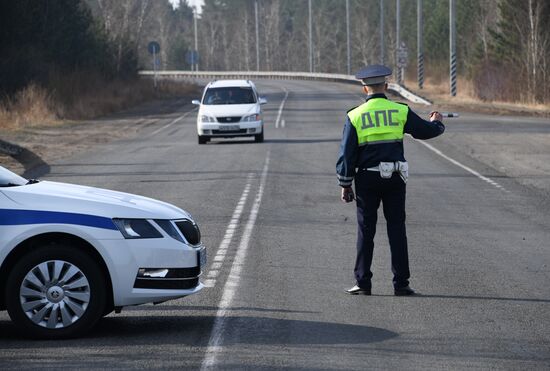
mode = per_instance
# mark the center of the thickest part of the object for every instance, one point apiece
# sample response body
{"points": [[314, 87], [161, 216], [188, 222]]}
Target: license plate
{"points": [[229, 127], [201, 256]]}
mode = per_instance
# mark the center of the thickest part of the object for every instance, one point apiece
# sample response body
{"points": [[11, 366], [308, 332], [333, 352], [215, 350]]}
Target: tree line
{"points": [[38, 38], [503, 46]]}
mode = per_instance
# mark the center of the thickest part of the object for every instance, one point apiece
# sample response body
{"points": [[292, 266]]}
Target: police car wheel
{"points": [[55, 292], [259, 137]]}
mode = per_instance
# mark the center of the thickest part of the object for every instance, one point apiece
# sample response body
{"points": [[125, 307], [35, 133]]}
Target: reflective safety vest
{"points": [[379, 120]]}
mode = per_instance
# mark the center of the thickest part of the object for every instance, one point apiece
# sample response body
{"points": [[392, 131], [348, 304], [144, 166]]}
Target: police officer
{"points": [[371, 152]]}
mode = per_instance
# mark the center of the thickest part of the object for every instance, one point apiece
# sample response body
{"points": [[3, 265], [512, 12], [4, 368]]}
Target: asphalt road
{"points": [[478, 244]]}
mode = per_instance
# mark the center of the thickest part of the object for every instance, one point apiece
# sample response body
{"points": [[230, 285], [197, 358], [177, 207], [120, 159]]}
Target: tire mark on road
{"points": [[172, 122]]}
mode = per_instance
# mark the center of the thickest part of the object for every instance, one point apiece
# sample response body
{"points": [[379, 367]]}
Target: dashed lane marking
{"points": [[279, 113], [230, 287], [214, 271]]}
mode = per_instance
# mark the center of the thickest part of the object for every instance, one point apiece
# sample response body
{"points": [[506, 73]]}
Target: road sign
{"points": [[401, 55], [153, 47], [192, 57]]}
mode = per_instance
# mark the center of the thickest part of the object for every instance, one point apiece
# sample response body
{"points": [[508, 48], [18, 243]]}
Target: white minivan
{"points": [[228, 109]]}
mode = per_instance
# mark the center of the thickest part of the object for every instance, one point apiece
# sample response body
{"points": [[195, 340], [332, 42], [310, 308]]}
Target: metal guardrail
{"points": [[350, 79]]}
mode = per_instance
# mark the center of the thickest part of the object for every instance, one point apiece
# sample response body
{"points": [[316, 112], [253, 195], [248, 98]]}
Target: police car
{"points": [[230, 108], [71, 254]]}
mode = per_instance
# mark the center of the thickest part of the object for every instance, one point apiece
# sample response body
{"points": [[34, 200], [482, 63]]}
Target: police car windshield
{"points": [[9, 179], [229, 95]]}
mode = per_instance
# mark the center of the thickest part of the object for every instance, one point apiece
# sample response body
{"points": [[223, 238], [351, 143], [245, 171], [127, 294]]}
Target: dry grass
{"points": [[437, 91], [28, 107], [81, 96]]}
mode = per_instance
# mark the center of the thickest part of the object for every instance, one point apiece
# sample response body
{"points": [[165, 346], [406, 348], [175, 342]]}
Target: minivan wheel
{"points": [[259, 137], [55, 292]]}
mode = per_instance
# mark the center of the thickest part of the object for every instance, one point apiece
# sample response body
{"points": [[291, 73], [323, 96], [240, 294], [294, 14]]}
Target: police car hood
{"points": [[229, 110], [53, 196]]}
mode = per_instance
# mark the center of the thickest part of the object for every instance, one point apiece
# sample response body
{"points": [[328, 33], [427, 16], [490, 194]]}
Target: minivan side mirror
{"points": [[196, 102], [262, 100]]}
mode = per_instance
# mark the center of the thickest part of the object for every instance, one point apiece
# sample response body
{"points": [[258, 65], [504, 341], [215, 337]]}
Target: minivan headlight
{"points": [[136, 228], [251, 118], [205, 118]]}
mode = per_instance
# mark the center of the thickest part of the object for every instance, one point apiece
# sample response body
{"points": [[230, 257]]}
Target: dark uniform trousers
{"points": [[370, 189]]}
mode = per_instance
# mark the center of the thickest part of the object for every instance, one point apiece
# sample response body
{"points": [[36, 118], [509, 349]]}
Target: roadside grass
{"points": [[438, 91], [32, 104], [80, 96]]}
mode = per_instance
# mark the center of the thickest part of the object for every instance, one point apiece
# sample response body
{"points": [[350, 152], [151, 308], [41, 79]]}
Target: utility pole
{"points": [[419, 43], [381, 31], [397, 33], [196, 38], [310, 38], [257, 36], [155, 66], [452, 46], [348, 37]]}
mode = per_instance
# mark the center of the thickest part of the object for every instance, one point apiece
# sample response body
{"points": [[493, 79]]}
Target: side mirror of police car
{"points": [[196, 102], [262, 100]]}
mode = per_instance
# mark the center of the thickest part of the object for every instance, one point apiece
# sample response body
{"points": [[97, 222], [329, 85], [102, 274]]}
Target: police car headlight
{"points": [[136, 228], [251, 118], [205, 118]]}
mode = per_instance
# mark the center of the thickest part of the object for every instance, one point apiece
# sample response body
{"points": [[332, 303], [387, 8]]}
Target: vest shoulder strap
{"points": [[351, 109]]}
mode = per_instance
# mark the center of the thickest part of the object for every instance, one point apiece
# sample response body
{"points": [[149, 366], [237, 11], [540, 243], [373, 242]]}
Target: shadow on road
{"points": [[204, 307], [195, 331], [468, 297]]}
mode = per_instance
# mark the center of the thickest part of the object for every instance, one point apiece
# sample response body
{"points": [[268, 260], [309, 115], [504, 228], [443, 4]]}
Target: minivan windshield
{"points": [[229, 95], [9, 179]]}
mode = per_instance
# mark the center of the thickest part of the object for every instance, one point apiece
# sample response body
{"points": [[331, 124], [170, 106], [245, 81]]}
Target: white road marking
{"points": [[230, 288], [281, 108], [214, 271], [283, 122], [172, 122], [462, 166]]}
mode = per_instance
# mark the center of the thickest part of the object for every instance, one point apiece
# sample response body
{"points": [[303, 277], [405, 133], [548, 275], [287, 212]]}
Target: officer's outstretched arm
{"points": [[422, 129]]}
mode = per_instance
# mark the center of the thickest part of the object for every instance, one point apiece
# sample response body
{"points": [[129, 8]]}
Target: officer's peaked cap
{"points": [[373, 74]]}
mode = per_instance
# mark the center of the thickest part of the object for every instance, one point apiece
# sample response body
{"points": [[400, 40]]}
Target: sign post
{"points": [[452, 47], [401, 56], [192, 58], [153, 47], [420, 45]]}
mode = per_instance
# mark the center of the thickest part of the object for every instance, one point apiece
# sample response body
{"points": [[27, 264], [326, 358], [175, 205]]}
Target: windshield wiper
{"points": [[32, 181], [10, 185]]}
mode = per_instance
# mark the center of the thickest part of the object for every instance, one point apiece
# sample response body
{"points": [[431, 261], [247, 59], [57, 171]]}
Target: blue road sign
{"points": [[153, 47], [192, 57]]}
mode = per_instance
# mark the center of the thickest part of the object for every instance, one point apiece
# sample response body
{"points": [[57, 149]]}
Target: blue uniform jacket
{"points": [[352, 156]]}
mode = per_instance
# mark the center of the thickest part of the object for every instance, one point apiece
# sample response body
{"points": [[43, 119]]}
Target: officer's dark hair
{"points": [[377, 86]]}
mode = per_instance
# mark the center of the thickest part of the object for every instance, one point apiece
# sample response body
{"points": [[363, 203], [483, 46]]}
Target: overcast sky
{"points": [[192, 3]]}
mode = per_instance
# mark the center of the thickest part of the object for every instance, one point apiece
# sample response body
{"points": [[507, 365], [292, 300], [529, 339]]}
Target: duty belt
{"points": [[386, 169]]}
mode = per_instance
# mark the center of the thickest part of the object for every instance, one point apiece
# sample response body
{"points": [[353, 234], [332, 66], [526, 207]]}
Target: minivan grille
{"points": [[190, 231], [229, 119]]}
